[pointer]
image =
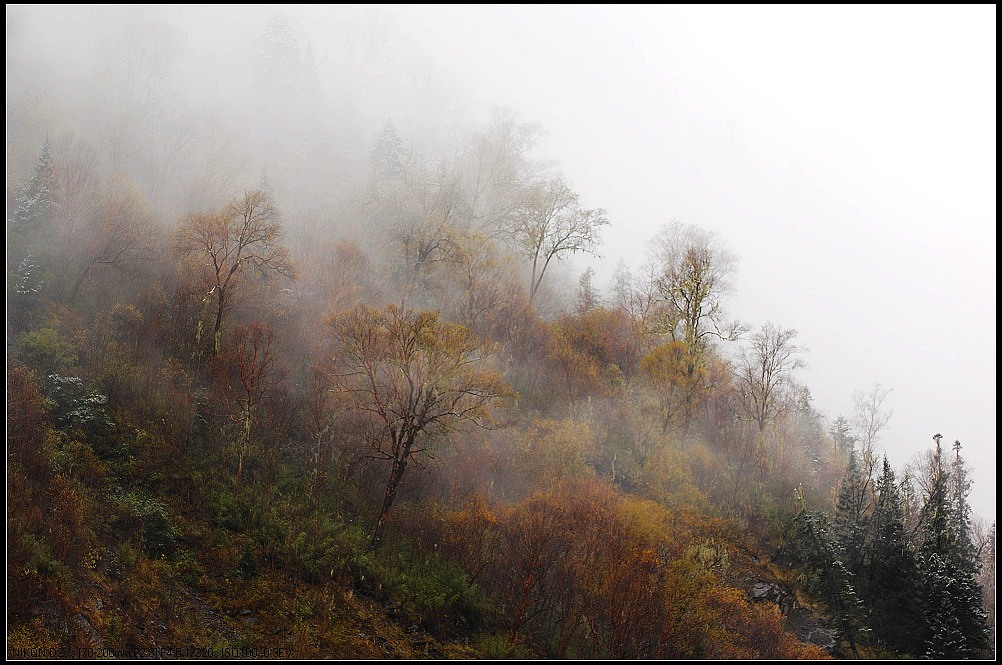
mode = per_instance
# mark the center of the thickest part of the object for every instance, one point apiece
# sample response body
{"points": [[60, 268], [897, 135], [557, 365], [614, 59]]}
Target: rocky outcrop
{"points": [[776, 593], [798, 620]]}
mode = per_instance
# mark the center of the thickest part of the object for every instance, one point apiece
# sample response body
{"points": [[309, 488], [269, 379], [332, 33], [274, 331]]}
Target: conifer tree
{"points": [[852, 515], [822, 557], [387, 156], [960, 516], [36, 201], [892, 572], [28, 221], [950, 595]]}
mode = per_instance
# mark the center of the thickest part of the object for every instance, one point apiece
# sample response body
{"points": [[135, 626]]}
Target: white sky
{"points": [[845, 154]]}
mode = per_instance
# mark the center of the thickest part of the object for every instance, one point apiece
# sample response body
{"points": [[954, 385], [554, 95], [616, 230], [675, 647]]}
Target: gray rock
{"points": [[87, 630]]}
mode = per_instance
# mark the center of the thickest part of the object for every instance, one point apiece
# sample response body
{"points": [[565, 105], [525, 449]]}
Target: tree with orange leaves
{"points": [[414, 379]]}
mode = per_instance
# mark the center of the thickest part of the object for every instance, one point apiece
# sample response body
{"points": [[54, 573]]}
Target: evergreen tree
{"points": [[822, 558], [276, 55], [852, 515], [960, 516], [36, 202], [911, 508], [387, 155], [892, 573], [842, 436], [986, 579], [951, 597], [29, 221]]}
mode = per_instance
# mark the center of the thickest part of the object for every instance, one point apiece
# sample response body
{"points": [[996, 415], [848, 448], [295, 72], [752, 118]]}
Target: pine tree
{"points": [[822, 558], [892, 573], [276, 55], [944, 636], [29, 222], [935, 515], [951, 597], [911, 508], [36, 202], [387, 155], [842, 436], [852, 515], [960, 516], [986, 579]]}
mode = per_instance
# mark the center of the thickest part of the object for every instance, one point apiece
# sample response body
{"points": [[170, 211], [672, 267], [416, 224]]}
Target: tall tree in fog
{"points": [[77, 182], [387, 157], [414, 378], [842, 436], [419, 212], [763, 371], [869, 419], [35, 202], [243, 239], [29, 221], [548, 223], [587, 297], [137, 80], [853, 512], [256, 368], [118, 237], [691, 272], [960, 516], [276, 55], [496, 167], [891, 572]]}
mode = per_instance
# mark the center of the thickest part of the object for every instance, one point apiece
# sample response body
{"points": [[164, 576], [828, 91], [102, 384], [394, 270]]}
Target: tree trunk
{"points": [[220, 302], [244, 445], [84, 276], [399, 465], [524, 601]]}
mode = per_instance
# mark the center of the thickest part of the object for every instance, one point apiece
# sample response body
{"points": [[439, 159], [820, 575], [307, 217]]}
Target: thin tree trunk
{"points": [[396, 474], [84, 276], [220, 303]]}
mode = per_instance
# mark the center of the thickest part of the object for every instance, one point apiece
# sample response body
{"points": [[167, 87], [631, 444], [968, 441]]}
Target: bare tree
{"points": [[140, 66], [242, 239], [868, 420], [549, 222], [75, 169], [870, 417], [487, 282], [118, 236], [256, 369], [692, 272], [984, 542], [763, 371], [495, 167], [420, 213], [414, 378], [638, 295]]}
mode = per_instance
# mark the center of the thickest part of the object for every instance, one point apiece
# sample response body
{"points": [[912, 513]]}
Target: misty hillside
{"points": [[308, 357]]}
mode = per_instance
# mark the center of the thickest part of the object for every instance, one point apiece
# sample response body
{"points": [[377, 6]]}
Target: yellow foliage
{"points": [[552, 450], [670, 479]]}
